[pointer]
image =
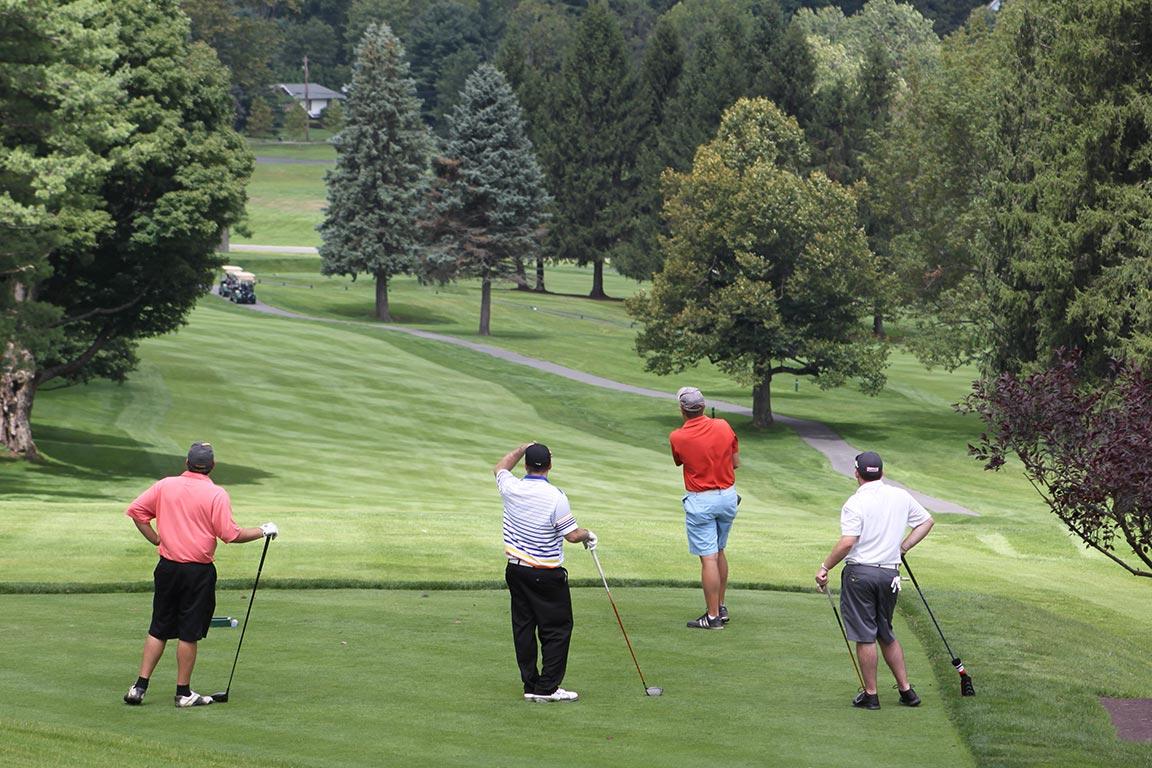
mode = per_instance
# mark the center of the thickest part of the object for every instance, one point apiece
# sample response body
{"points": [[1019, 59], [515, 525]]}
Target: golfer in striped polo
{"points": [[537, 520]]}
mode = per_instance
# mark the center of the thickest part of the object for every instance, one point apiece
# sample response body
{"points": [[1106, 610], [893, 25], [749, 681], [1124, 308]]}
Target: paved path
{"points": [[839, 453], [246, 248]]}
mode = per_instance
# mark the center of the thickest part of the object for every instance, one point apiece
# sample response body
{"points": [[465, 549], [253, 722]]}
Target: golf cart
{"points": [[228, 283], [244, 292]]}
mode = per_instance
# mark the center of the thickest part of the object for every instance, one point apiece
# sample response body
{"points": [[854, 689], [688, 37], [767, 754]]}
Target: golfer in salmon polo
{"points": [[191, 513], [709, 452]]}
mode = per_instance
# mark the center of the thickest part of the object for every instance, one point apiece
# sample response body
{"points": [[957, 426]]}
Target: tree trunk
{"points": [[540, 275], [598, 280], [485, 304], [17, 391], [382, 312], [521, 275], [762, 403], [878, 325]]}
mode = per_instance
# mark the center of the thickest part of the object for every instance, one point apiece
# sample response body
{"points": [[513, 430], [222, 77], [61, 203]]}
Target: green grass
{"points": [[383, 678]]}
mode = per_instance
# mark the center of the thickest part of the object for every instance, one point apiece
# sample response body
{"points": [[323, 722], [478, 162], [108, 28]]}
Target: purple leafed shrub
{"points": [[1086, 447]]}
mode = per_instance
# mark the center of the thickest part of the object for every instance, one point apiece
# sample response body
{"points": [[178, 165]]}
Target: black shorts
{"points": [[183, 601], [867, 602]]}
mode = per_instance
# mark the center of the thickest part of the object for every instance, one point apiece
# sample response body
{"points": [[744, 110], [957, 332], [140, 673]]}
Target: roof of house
{"points": [[315, 91]]}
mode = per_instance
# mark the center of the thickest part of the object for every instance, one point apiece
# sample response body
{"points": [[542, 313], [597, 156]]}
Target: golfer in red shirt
{"points": [[709, 452], [191, 513]]}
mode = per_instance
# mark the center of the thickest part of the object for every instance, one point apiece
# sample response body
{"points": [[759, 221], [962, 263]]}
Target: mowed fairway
{"points": [[373, 451]]}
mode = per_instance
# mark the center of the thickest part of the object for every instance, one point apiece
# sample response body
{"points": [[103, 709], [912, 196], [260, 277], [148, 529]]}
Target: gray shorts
{"points": [[867, 602]]}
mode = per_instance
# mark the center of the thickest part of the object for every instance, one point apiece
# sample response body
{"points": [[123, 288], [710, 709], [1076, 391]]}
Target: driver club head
{"points": [[220, 698], [653, 690]]}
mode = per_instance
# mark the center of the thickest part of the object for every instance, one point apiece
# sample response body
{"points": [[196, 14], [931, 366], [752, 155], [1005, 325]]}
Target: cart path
{"points": [[819, 436]]}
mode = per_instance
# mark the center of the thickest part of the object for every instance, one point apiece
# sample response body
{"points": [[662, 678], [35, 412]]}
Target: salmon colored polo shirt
{"points": [[191, 513], [704, 447]]}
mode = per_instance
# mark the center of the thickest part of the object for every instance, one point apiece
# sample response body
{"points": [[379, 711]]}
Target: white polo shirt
{"points": [[879, 514], [536, 517]]}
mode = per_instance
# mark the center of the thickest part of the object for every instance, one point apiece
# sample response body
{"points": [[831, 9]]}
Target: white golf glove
{"points": [[270, 530], [590, 542], [896, 585]]}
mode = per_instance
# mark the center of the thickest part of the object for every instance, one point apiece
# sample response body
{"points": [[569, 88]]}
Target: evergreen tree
{"points": [[488, 201], [332, 117], [445, 44], [593, 146], [660, 72], [375, 189], [296, 122], [261, 119]]}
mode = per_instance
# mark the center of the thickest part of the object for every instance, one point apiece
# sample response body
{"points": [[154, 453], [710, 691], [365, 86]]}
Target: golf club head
{"points": [[653, 690], [220, 698], [966, 688]]}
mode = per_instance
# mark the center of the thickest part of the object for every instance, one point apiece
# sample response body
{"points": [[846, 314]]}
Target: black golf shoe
{"points": [[909, 698], [723, 613], [135, 696], [866, 701], [706, 623]]}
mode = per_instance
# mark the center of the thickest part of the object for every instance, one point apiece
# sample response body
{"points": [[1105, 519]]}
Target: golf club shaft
{"points": [[916, 584], [596, 559], [251, 599], [844, 634]]}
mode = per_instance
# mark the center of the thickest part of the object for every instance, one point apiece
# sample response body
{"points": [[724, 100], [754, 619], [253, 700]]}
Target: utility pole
{"points": [[307, 102]]}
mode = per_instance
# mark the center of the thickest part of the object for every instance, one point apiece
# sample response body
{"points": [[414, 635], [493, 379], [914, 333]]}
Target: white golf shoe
{"points": [[557, 695]]}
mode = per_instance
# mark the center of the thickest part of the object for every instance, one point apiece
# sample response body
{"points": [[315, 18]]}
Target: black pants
{"points": [[541, 605]]}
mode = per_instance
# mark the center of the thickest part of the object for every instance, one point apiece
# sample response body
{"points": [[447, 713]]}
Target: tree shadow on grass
{"points": [[72, 455]]}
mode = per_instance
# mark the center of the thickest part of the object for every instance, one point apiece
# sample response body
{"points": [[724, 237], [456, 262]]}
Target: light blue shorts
{"points": [[708, 517]]}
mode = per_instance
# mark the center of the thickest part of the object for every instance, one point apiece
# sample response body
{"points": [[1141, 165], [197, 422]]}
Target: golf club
{"points": [[649, 690], [222, 696], [966, 688], [847, 645]]}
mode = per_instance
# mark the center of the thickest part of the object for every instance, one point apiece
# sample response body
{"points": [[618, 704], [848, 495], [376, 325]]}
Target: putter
{"points": [[966, 688], [222, 696], [844, 634], [649, 690]]}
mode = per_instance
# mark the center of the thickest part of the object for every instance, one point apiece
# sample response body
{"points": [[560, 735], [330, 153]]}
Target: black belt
{"points": [[525, 564]]}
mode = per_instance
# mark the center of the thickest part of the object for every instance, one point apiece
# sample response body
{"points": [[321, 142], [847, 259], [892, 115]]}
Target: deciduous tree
{"points": [[767, 268], [119, 169]]}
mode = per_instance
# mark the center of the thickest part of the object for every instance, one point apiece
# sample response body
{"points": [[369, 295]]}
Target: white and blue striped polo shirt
{"points": [[536, 517]]}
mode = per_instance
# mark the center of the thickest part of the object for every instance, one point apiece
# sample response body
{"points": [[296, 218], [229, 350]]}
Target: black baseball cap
{"points": [[537, 456], [201, 458], [869, 465]]}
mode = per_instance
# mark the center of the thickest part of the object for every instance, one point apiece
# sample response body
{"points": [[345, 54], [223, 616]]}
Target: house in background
{"points": [[314, 98]]}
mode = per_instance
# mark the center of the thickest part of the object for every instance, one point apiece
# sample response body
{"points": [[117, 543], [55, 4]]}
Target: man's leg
{"points": [[712, 582], [866, 653], [153, 650], [555, 611], [894, 658], [523, 627], [185, 662], [722, 566]]}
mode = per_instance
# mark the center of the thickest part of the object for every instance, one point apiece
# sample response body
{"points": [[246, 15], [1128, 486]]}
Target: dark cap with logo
{"points": [[869, 465], [537, 456], [201, 458]]}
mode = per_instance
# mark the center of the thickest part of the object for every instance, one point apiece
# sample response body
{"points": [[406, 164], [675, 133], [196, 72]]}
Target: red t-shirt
{"points": [[704, 447], [191, 513]]}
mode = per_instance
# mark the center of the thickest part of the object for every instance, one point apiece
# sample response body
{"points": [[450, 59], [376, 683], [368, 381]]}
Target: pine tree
{"points": [[295, 122], [488, 202], [594, 146], [381, 162], [261, 120]]}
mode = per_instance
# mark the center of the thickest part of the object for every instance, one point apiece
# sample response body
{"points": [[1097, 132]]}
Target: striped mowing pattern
{"points": [[536, 517]]}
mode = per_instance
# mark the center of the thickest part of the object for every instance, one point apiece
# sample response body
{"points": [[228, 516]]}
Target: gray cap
{"points": [[690, 399], [201, 458]]}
